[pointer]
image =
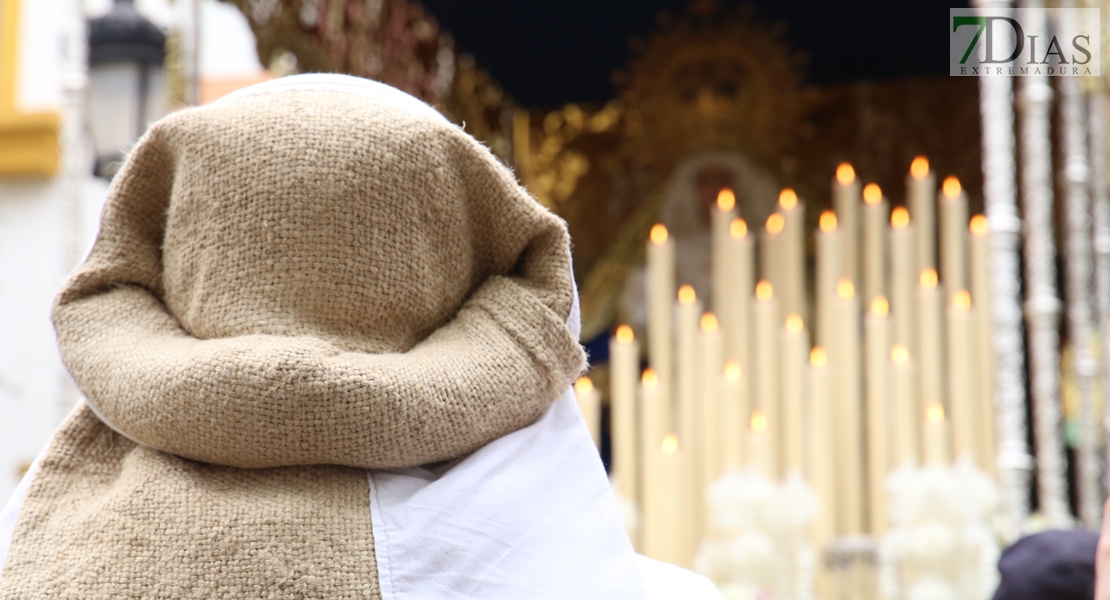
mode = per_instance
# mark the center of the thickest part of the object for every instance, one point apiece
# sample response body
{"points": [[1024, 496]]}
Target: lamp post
{"points": [[127, 82]]}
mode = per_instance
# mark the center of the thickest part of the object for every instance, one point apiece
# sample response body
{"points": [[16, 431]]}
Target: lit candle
{"points": [[903, 388], [734, 415], [722, 216], [936, 436], [795, 345], [829, 266], [654, 527], [660, 303], [821, 449], [710, 428], [687, 315], [624, 359], [877, 348], [875, 212], [846, 367], [669, 544], [921, 187], [760, 445], [846, 195], [903, 277], [589, 402], [793, 251], [770, 256], [930, 329], [961, 371], [741, 273], [984, 328], [953, 237], [733, 275], [765, 356]]}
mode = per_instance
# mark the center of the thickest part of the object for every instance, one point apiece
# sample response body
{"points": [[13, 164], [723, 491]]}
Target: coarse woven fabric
{"points": [[287, 289]]}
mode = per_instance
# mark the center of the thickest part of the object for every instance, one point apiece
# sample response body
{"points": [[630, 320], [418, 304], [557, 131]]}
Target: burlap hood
{"points": [[286, 279]]}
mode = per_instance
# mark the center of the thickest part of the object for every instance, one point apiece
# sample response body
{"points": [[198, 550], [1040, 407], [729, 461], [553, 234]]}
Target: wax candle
{"points": [[672, 545], [687, 315], [589, 402], [654, 526], [875, 212], [722, 216], [953, 237], [793, 258], [734, 415], [877, 349], [930, 329], [984, 348], [829, 267], [794, 348], [770, 256], [821, 449], [846, 196], [765, 361], [741, 285], [921, 187], [760, 445], [936, 436], [846, 366], [961, 371], [624, 359], [710, 365], [903, 388], [660, 304], [903, 277]]}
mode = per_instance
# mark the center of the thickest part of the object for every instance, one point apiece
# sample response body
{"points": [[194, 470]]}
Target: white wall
{"points": [[40, 230]]}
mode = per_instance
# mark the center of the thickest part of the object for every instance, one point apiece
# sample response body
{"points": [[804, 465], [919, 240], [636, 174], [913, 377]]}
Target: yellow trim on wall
{"points": [[28, 141]]}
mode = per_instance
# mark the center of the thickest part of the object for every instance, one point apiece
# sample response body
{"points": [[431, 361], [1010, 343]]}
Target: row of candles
{"points": [[745, 386]]}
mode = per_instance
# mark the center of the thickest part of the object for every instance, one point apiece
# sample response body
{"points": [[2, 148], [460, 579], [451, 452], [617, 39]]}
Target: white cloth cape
{"points": [[531, 515]]}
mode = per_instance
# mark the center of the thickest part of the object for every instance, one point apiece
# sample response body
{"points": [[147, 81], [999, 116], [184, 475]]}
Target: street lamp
{"points": [[127, 82]]}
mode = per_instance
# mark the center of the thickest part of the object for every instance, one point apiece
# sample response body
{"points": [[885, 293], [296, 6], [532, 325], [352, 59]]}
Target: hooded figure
{"points": [[326, 342]]}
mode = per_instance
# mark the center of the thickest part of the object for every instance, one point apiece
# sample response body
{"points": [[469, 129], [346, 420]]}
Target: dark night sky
{"points": [[550, 52]]}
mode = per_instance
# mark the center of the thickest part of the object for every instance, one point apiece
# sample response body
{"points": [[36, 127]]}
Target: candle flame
{"points": [[919, 168], [726, 200], [759, 421], [845, 174], [788, 199], [794, 323], [686, 295], [935, 413], [584, 385], [709, 322], [650, 378], [775, 223], [900, 218], [899, 353], [827, 222], [880, 306], [732, 371], [763, 290], [872, 194], [951, 187], [624, 334], [928, 279], [961, 300], [738, 229], [818, 357], [658, 234], [845, 289], [670, 443], [979, 225]]}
